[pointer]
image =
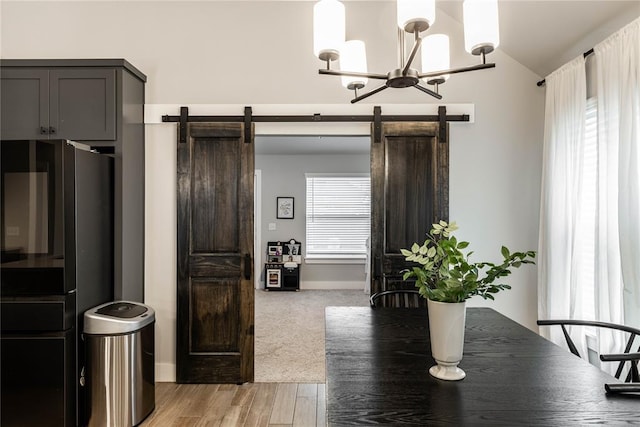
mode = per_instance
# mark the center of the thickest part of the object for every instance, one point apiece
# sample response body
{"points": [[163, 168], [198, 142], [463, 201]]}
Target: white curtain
{"points": [[618, 212], [616, 258], [558, 279]]}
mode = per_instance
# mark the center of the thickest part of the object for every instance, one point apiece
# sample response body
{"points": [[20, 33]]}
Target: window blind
{"points": [[338, 215]]}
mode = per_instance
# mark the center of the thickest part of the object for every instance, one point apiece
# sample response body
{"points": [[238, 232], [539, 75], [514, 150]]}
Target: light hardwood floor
{"points": [[254, 404]]}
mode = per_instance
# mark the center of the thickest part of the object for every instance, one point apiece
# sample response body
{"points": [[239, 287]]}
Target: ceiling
{"points": [[544, 35]]}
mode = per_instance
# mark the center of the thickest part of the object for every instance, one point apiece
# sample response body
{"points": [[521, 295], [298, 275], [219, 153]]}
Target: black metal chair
{"points": [[632, 379], [632, 386], [399, 298]]}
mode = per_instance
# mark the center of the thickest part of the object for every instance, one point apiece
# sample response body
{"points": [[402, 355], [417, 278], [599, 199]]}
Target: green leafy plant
{"points": [[445, 273]]}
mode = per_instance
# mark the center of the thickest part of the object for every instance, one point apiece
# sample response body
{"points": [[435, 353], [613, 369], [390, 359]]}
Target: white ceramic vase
{"points": [[446, 328]]}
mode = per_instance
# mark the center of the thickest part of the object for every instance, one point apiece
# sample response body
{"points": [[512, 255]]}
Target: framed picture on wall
{"points": [[285, 208]]}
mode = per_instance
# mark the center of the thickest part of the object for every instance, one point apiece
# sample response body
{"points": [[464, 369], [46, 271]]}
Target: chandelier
{"points": [[414, 16]]}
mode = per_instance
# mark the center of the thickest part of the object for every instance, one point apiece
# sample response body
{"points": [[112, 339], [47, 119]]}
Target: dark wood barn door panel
{"points": [[215, 255], [409, 192]]}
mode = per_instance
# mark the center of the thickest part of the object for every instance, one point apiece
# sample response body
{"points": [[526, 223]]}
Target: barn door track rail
{"points": [[377, 118]]}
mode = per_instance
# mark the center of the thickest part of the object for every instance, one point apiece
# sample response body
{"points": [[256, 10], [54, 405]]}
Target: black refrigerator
{"points": [[56, 262]]}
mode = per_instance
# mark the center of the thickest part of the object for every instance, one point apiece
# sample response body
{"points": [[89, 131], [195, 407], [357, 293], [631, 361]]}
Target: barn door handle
{"points": [[247, 266], [377, 268]]}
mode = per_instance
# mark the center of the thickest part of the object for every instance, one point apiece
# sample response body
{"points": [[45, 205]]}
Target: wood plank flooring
{"points": [[251, 405]]}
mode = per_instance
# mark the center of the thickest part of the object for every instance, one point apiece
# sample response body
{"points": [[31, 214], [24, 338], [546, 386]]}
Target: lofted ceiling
{"points": [[544, 35]]}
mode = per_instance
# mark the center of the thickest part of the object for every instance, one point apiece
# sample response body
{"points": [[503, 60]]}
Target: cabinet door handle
{"points": [[247, 266], [52, 130], [43, 130]]}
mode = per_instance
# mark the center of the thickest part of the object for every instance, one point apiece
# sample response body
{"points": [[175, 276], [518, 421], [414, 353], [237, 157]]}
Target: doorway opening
{"points": [[289, 326]]}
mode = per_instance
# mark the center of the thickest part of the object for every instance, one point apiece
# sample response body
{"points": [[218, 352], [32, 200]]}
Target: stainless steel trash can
{"points": [[120, 380]]}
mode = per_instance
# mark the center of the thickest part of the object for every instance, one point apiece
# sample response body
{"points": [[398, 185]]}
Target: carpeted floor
{"points": [[289, 333]]}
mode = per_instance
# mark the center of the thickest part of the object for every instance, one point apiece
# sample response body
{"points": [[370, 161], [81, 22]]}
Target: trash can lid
{"points": [[122, 309], [118, 317]]}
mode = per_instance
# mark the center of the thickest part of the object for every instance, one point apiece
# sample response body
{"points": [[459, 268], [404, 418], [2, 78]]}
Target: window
{"points": [[338, 215], [587, 214]]}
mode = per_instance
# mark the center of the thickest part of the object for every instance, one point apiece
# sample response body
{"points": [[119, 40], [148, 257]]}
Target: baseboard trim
{"points": [[320, 285], [165, 372]]}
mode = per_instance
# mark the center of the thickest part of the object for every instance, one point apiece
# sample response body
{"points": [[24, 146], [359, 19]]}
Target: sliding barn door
{"points": [[215, 255], [409, 192]]}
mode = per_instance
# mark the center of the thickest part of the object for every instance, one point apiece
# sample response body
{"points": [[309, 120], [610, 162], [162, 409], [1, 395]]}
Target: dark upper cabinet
{"points": [[77, 104], [24, 96]]}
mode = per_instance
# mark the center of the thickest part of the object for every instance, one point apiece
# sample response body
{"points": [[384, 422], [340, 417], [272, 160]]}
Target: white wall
{"points": [[284, 175], [261, 53]]}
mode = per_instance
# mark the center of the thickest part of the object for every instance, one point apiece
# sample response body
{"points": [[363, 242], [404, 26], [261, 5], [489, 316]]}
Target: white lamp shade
{"points": [[328, 27], [481, 29], [416, 12], [353, 57], [435, 54]]}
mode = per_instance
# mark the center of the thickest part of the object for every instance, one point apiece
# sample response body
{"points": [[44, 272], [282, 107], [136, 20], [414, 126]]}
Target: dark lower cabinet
{"points": [[38, 379]]}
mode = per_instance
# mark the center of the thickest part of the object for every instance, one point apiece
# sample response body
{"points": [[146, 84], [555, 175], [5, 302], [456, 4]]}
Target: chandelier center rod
{"points": [[400, 47], [414, 51]]}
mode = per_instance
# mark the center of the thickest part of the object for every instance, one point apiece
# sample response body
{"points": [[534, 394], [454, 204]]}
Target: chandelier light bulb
{"points": [[416, 14], [328, 29], [435, 57], [353, 57], [481, 30]]}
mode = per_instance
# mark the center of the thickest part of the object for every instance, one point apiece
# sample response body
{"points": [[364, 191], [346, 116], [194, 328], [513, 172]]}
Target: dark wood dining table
{"points": [[377, 373]]}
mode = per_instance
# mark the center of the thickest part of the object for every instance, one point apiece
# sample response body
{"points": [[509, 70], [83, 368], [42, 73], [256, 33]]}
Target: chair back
{"points": [[629, 355], [398, 298]]}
